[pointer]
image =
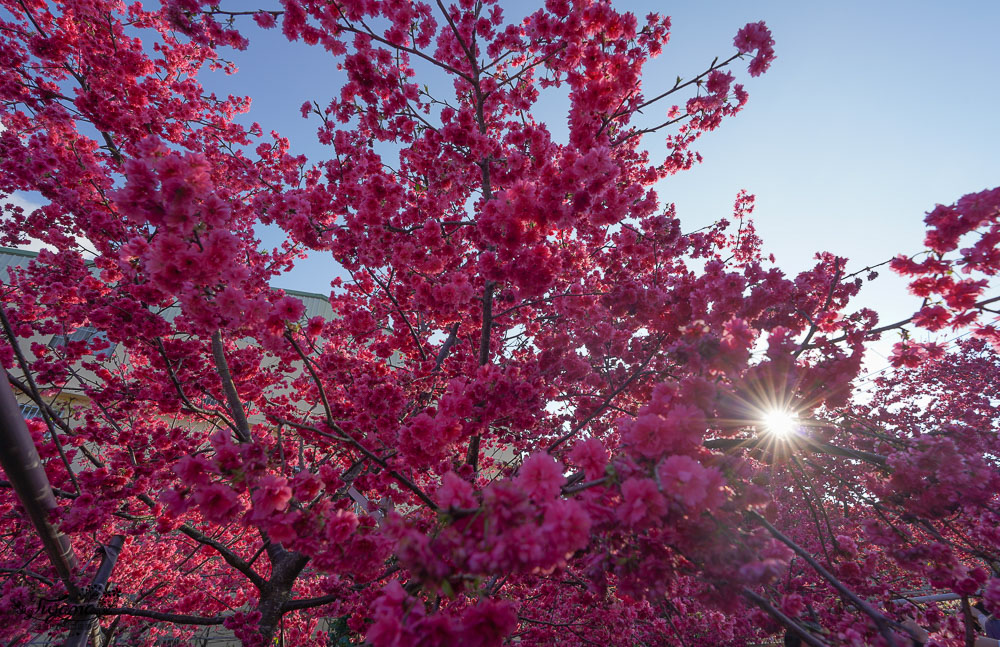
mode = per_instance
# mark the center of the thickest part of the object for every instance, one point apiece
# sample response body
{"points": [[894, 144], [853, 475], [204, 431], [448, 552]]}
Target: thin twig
{"points": [[399, 309], [607, 400], [814, 323], [903, 322], [315, 377]]}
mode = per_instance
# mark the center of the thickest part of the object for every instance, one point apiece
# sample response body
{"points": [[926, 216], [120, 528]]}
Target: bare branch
{"points": [[235, 406], [399, 309], [901, 323], [229, 556], [37, 396], [770, 609], [881, 621], [176, 618], [446, 347]]}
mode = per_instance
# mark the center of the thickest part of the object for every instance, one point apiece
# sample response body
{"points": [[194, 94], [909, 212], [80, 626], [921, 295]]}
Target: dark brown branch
{"points": [[811, 444], [82, 82], [471, 55], [607, 401], [970, 631], [586, 485], [903, 322], [56, 491], [446, 348], [770, 609], [472, 458], [315, 377], [25, 388], [527, 304], [27, 573], [524, 70], [812, 509], [869, 268], [176, 618], [484, 337], [207, 413], [826, 448], [881, 621], [344, 438], [678, 86], [347, 26], [639, 132], [37, 396], [399, 309], [323, 600], [229, 556], [235, 406], [813, 323], [536, 621]]}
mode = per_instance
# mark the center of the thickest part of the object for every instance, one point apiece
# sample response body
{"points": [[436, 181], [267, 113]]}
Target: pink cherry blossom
{"points": [[540, 476]]}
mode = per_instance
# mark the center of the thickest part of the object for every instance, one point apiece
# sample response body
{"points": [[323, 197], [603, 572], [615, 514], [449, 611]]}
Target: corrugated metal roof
{"points": [[316, 304], [13, 258]]}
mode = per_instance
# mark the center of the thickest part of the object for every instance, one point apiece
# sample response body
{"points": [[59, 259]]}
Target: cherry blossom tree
{"points": [[543, 411]]}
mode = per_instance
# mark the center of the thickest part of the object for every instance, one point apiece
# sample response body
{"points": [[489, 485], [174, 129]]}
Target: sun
{"points": [[780, 422]]}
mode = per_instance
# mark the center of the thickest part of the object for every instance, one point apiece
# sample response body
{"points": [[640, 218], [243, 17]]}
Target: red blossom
{"points": [[541, 476], [271, 494], [512, 291]]}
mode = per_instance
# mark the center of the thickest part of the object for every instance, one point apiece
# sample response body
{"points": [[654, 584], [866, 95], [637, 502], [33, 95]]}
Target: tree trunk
{"points": [[285, 567]]}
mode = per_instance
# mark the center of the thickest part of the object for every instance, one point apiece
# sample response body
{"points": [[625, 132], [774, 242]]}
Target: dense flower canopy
{"points": [[539, 410]]}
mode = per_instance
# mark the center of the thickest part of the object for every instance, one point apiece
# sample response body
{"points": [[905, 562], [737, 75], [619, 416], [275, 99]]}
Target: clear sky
{"points": [[872, 113]]}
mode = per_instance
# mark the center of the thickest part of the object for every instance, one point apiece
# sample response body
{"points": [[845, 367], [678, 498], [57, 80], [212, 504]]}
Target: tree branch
{"points": [[235, 406], [229, 556], [446, 347], [770, 609], [207, 413], [881, 622], [607, 400], [315, 377], [903, 322], [175, 618], [37, 396], [813, 324], [413, 333], [814, 445]]}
